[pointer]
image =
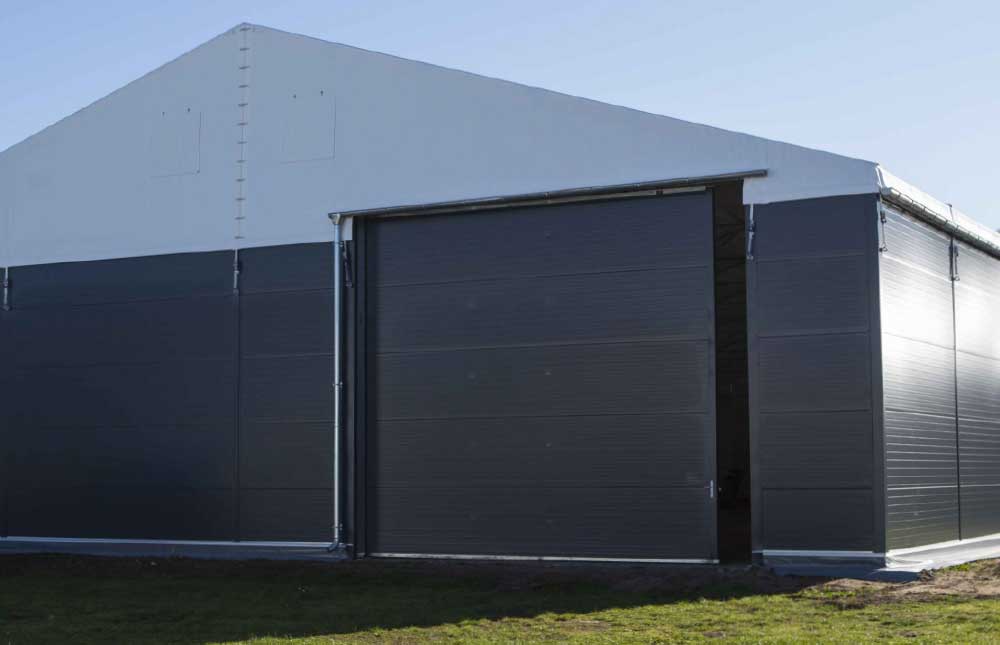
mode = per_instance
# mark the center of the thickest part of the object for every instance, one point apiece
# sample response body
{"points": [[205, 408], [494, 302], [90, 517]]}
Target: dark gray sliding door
{"points": [[542, 381]]}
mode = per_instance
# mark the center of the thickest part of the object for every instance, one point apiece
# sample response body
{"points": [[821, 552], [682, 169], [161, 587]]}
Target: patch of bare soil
{"points": [[977, 580]]}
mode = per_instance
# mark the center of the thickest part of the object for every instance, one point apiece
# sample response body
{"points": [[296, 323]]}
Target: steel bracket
{"points": [[751, 234]]}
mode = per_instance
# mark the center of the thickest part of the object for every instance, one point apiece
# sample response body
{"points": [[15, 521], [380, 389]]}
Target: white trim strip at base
{"points": [[943, 545], [113, 541], [806, 553], [542, 558]]}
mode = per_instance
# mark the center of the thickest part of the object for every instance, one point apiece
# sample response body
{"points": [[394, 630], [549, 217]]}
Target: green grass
{"points": [[50, 599]]}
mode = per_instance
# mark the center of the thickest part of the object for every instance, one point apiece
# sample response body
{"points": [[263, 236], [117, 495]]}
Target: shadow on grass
{"points": [[53, 599]]}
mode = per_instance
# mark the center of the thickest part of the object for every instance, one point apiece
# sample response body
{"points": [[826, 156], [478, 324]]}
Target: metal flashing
{"points": [[940, 215], [818, 553], [212, 543], [541, 558], [942, 545], [641, 189]]}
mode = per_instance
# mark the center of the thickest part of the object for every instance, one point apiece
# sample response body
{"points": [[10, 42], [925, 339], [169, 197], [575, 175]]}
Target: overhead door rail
{"points": [[640, 189]]}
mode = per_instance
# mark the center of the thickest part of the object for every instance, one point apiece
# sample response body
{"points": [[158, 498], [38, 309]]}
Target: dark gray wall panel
{"points": [[606, 450], [290, 323], [577, 308], [920, 451], [135, 332], [921, 478], [611, 378], [6, 436], [918, 516], [286, 455], [289, 389], [286, 393], [980, 452], [918, 355], [789, 300], [919, 377], [978, 387], [287, 515], [979, 510], [120, 397], [976, 316], [916, 302], [818, 519], [542, 381], [573, 521], [977, 303], [194, 456], [142, 512], [126, 280], [181, 392], [295, 267], [917, 244], [825, 227], [811, 374], [797, 450]]}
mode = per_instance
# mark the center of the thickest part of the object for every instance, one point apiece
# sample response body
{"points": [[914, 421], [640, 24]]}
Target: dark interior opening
{"points": [[732, 393]]}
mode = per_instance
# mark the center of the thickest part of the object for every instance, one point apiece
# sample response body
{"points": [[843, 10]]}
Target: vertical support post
{"points": [[237, 397], [338, 381], [953, 273], [4, 447], [883, 245], [877, 247]]}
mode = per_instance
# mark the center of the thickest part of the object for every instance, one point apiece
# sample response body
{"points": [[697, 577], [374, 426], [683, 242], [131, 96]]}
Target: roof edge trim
{"points": [[503, 201], [912, 200]]}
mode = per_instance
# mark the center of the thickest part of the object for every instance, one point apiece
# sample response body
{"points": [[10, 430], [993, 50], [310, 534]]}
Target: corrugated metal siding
{"points": [[977, 316], [543, 381], [120, 397], [919, 383], [942, 386], [811, 374]]}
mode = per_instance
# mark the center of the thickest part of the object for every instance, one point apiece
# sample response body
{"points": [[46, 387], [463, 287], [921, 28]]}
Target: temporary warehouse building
{"points": [[283, 295]]}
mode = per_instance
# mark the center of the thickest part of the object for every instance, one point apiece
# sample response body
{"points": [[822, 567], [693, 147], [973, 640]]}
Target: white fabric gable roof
{"points": [[154, 167]]}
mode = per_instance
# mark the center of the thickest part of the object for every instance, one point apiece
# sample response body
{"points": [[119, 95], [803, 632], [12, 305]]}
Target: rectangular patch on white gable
{"points": [[309, 126], [175, 143]]}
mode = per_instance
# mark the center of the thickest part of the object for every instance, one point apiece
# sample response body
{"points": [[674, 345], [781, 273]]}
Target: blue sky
{"points": [[913, 85]]}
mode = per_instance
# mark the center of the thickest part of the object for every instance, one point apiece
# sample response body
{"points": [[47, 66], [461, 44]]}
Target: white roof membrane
{"points": [[252, 138]]}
